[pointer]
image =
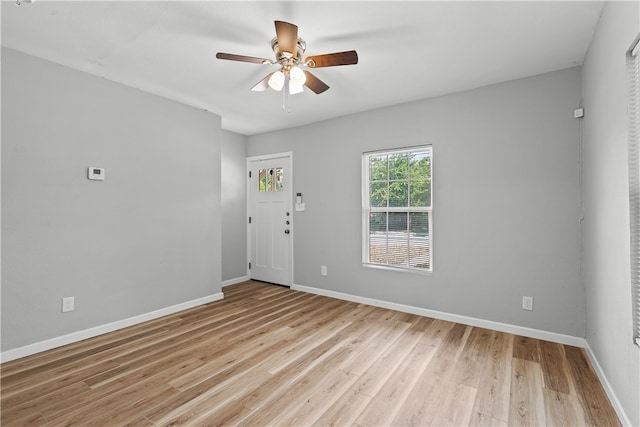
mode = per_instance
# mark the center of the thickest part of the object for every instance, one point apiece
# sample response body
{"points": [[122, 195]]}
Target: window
{"points": [[270, 180], [396, 214], [633, 85]]}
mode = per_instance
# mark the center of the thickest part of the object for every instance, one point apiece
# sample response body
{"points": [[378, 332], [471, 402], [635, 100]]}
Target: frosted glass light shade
{"points": [[297, 76], [295, 87], [276, 81]]}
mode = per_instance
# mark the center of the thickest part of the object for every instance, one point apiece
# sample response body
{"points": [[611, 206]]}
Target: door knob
{"points": [[286, 231]]}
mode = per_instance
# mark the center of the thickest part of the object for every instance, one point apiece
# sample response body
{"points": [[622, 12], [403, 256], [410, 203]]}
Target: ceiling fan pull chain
{"points": [[286, 97], [288, 90]]}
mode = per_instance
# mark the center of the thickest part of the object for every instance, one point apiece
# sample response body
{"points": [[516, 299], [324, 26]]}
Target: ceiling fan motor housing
{"points": [[289, 59]]}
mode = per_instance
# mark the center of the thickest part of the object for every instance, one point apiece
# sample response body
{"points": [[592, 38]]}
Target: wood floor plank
{"points": [[345, 410], [63, 355], [385, 338], [229, 415], [318, 399], [377, 373], [452, 406], [212, 401], [562, 409], [310, 338], [473, 357], [239, 354], [419, 407], [482, 420], [527, 401], [590, 392], [553, 367], [42, 388], [267, 355], [27, 407], [114, 396], [494, 388], [387, 401], [526, 348], [288, 398]]}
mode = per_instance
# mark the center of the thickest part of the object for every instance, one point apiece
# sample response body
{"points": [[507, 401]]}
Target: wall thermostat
{"points": [[96, 174]]}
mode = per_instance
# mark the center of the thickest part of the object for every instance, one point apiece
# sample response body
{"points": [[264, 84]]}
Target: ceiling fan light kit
{"points": [[289, 50], [276, 81]]}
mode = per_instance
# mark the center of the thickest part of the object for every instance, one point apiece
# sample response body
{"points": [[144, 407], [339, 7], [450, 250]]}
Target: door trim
{"points": [[287, 154]]}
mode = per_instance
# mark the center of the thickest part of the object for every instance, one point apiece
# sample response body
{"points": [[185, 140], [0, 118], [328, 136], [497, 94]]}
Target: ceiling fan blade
{"points": [[348, 57], [314, 83], [242, 58], [263, 84], [287, 35]]}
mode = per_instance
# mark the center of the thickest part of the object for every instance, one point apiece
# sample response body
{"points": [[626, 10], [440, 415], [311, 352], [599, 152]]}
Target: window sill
{"points": [[400, 269]]}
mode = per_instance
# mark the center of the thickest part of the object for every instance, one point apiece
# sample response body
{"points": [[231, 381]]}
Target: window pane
{"points": [[270, 180], [398, 166], [419, 256], [398, 223], [398, 244], [418, 223], [279, 179], [398, 252], [421, 193], [378, 222], [378, 194], [378, 249], [419, 240], [399, 193], [262, 180], [378, 237], [378, 168], [420, 165]]}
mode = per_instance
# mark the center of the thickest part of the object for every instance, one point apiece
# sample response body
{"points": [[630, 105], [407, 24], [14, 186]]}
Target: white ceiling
{"points": [[407, 50]]}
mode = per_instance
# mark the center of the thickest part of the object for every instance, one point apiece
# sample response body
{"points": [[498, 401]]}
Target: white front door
{"points": [[271, 219]]}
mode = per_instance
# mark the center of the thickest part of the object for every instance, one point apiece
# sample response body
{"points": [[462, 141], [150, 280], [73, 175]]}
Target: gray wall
{"points": [[606, 262], [234, 205], [506, 201], [146, 238]]}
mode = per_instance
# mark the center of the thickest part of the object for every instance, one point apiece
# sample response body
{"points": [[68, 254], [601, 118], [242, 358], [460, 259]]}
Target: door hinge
{"points": [[249, 266], [249, 174], [249, 220]]}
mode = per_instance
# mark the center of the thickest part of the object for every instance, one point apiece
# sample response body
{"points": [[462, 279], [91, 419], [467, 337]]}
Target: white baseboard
{"points": [[465, 320], [49, 344], [624, 419], [236, 280]]}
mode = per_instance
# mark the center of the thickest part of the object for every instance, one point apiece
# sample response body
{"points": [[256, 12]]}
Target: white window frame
{"points": [[367, 209], [633, 93]]}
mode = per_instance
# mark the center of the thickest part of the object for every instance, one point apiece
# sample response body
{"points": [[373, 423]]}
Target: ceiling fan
{"points": [[289, 50]]}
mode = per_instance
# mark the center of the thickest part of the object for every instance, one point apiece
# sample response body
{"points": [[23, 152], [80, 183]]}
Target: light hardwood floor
{"points": [[267, 355]]}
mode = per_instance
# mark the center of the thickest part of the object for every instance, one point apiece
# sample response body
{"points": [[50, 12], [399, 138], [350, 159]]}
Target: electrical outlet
{"points": [[68, 304], [323, 270], [527, 303]]}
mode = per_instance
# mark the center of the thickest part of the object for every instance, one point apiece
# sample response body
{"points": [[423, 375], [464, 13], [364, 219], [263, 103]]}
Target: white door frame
{"points": [[250, 160]]}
